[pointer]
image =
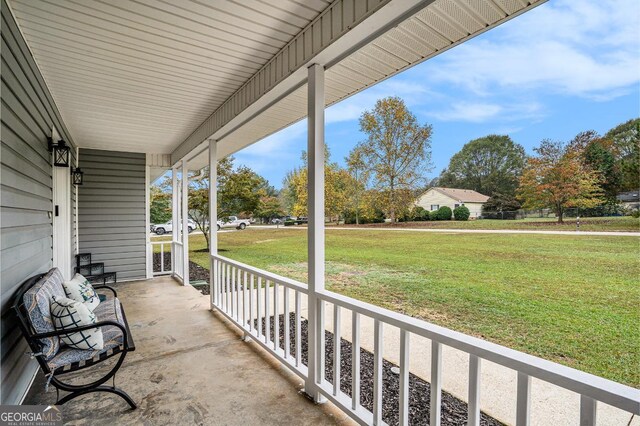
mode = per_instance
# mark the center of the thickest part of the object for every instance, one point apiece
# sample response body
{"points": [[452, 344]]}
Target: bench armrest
{"points": [[98, 287], [99, 324]]}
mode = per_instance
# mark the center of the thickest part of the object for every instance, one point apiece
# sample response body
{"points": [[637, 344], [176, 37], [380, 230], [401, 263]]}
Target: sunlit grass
{"points": [[570, 299]]}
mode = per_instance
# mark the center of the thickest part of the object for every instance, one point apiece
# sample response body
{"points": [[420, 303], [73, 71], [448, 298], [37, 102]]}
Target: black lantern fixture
{"points": [[60, 152], [77, 175]]}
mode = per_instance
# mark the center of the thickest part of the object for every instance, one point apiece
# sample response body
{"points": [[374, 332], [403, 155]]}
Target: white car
{"points": [[233, 222], [163, 228]]}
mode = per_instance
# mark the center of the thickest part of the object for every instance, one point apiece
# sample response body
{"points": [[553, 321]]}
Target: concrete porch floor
{"points": [[191, 367]]}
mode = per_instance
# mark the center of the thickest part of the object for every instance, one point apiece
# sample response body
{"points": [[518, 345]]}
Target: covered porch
{"points": [[255, 350], [191, 367]]}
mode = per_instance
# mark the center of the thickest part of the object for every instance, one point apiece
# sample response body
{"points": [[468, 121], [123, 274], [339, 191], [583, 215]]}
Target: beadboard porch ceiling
{"points": [[161, 77]]}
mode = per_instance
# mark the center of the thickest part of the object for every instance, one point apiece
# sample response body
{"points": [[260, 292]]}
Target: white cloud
{"points": [[482, 112], [587, 49]]}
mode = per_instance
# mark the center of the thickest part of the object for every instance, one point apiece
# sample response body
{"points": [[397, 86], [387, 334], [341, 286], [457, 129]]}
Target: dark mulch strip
{"points": [[454, 411], [156, 262], [196, 272]]}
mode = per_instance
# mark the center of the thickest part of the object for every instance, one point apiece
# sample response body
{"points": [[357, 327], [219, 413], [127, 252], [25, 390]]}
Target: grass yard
{"points": [[569, 299], [619, 224]]}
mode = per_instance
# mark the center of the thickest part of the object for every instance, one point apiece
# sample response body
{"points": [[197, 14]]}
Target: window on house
{"points": [[458, 205], [435, 207]]}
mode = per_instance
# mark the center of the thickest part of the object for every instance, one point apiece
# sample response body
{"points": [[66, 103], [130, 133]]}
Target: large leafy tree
{"points": [[491, 164], [239, 192], [160, 205], [558, 178], [397, 152], [626, 147], [269, 207], [336, 189], [357, 187]]}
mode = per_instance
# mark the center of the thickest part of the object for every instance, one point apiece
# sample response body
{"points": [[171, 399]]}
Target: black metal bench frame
{"points": [[33, 339]]}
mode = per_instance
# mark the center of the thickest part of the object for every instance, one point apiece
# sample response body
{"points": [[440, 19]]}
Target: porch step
{"points": [[83, 259], [94, 272], [91, 269]]}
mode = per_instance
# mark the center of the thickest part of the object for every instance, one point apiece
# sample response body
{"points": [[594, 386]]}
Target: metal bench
{"points": [[31, 306]]}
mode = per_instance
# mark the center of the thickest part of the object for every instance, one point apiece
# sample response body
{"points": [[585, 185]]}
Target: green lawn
{"points": [[570, 299], [624, 224]]}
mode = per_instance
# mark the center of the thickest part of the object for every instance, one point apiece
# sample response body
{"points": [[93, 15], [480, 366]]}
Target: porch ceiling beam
{"points": [[343, 28]]}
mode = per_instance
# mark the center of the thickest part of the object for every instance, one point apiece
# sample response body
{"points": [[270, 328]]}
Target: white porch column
{"points": [[174, 219], [315, 231], [185, 222], [213, 219]]}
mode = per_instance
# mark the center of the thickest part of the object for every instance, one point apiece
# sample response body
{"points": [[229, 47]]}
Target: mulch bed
{"points": [[454, 411], [196, 272]]}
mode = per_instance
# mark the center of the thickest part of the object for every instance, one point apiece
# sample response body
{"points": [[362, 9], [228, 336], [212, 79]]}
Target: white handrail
{"points": [[288, 282], [590, 388], [607, 391]]}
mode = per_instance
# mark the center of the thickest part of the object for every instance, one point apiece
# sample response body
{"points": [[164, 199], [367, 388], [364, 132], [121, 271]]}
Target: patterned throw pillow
{"points": [[69, 313], [79, 289]]}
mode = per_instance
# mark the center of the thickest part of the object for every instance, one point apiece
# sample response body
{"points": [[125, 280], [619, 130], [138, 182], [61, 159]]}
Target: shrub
{"points": [[461, 213], [635, 213], [444, 213], [417, 213], [433, 215]]}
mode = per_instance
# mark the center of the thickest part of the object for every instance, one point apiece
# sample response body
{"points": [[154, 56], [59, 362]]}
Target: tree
{"points": [[499, 202], [337, 183], [626, 146], [488, 165], [397, 151], [558, 178], [358, 183], [269, 207], [239, 192], [160, 205]]}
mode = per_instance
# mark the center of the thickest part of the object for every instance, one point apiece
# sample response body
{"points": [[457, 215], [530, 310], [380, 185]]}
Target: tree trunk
{"points": [[560, 213]]}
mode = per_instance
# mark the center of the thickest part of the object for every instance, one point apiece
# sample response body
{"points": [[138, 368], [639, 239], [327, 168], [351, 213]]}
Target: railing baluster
{"points": [[355, 360], [587, 411], [267, 313], [377, 373], [436, 383], [161, 257], [227, 288], [287, 321], [259, 306], [234, 311], [523, 399], [276, 316], [336, 349], [473, 418], [245, 315], [237, 290], [214, 275], [320, 364], [404, 377], [251, 306], [298, 327]]}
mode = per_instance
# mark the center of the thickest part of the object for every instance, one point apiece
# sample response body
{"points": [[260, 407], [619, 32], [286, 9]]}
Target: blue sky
{"points": [[564, 67]]}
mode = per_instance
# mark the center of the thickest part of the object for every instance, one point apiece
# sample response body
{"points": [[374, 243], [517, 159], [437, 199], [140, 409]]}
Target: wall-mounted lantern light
{"points": [[60, 152], [77, 176]]}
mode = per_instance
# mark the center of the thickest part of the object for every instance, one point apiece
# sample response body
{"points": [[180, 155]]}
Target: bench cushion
{"points": [[37, 301], [113, 338]]}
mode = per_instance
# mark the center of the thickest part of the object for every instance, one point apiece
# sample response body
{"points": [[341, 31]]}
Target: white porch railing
{"points": [[250, 298], [177, 259], [163, 256]]}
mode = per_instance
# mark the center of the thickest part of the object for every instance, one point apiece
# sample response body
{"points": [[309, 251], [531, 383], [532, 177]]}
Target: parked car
{"points": [[233, 222], [276, 221], [163, 228], [301, 219]]}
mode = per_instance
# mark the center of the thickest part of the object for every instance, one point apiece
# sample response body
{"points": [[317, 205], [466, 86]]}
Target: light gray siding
{"points": [[112, 212], [28, 114]]}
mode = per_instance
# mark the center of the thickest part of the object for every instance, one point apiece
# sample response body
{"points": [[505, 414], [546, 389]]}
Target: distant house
{"points": [[630, 199], [437, 197]]}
